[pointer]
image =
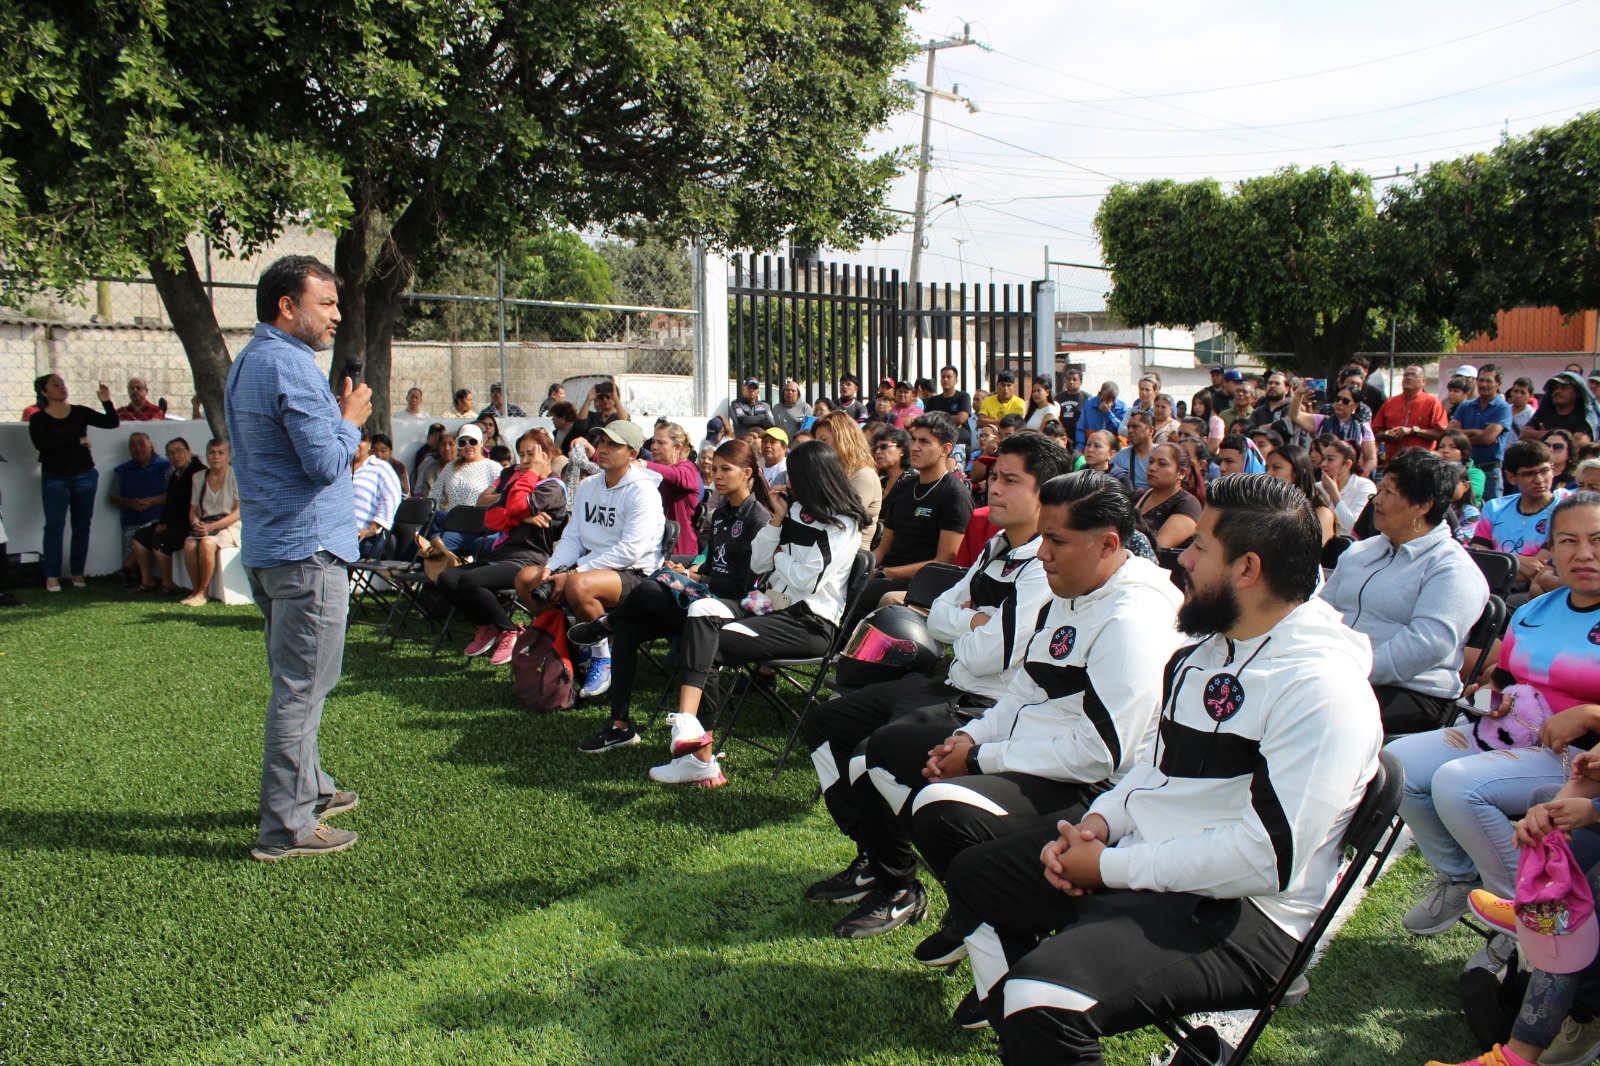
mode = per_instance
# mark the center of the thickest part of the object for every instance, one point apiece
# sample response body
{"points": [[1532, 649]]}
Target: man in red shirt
{"points": [[1410, 419], [139, 408]]}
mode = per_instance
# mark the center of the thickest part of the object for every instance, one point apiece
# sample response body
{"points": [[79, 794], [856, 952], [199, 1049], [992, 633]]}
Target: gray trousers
{"points": [[304, 604]]}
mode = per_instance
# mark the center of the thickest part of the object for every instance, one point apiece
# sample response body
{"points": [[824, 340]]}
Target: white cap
{"points": [[1466, 370], [471, 429]]}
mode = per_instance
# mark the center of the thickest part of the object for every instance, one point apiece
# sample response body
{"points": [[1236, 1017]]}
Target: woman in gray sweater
{"points": [[1415, 593]]}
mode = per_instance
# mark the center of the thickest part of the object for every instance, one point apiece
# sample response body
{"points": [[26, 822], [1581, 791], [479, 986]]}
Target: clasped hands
{"points": [[1072, 860]]}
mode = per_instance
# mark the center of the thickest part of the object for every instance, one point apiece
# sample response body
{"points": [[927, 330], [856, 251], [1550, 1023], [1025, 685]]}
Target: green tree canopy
{"points": [[738, 122], [1312, 263]]}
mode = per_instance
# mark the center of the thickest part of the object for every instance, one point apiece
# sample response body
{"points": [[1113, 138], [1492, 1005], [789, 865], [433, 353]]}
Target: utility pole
{"points": [[933, 48]]}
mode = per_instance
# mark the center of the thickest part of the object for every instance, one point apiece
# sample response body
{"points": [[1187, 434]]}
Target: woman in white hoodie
{"points": [[806, 552]]}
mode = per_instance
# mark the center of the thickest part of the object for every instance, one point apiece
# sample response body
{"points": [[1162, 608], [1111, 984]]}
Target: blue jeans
{"points": [[1493, 481], [1459, 802], [75, 492]]}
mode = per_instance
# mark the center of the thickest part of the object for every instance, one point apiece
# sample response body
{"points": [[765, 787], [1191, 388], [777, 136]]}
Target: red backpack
{"points": [[541, 664]]}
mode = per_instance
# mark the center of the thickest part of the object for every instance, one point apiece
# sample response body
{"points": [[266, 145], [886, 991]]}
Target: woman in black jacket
{"points": [[653, 610], [68, 479]]}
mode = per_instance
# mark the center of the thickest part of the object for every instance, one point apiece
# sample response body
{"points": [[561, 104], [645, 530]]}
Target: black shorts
{"points": [[168, 541], [631, 579]]}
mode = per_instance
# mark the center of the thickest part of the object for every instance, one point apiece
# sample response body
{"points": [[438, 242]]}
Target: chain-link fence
{"points": [[496, 328]]}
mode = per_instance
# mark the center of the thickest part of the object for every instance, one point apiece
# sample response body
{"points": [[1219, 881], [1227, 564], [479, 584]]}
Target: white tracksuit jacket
{"points": [[1008, 584], [1084, 705], [1266, 747]]}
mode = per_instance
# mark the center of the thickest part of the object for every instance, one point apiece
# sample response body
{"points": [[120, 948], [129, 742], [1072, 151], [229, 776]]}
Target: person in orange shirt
{"points": [[1412, 418]]}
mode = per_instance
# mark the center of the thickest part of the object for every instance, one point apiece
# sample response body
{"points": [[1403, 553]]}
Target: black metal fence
{"points": [[815, 322]]}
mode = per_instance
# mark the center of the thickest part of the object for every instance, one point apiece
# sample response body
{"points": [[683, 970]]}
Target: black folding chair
{"points": [[1335, 547], [1480, 638], [1499, 569], [931, 582], [804, 674], [1376, 811], [369, 577], [409, 584]]}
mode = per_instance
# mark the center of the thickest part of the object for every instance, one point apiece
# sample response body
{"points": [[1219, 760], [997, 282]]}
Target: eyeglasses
{"points": [[1535, 471]]}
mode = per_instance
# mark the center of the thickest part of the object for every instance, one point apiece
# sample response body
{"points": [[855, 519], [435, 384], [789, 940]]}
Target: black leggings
{"points": [[471, 590], [648, 612], [1122, 960], [721, 632]]}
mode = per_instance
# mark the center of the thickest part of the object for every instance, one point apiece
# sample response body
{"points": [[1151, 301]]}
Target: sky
{"points": [[1073, 97]]}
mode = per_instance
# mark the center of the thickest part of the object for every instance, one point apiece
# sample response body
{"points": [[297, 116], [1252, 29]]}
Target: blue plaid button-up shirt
{"points": [[291, 453]]}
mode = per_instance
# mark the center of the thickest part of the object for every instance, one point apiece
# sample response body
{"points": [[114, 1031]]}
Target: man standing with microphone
{"points": [[292, 447]]}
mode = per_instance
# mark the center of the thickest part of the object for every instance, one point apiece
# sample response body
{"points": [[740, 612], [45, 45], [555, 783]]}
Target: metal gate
{"points": [[815, 322]]}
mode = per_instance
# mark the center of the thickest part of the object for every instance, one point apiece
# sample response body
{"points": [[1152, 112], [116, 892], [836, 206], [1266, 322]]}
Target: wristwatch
{"points": [[972, 760]]}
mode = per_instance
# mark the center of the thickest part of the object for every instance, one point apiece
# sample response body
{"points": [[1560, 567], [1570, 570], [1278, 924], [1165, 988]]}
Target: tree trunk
{"points": [[195, 321], [370, 299], [350, 264]]}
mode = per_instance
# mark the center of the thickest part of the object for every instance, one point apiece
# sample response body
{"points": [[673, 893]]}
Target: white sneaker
{"points": [[687, 770], [687, 734], [1577, 1044]]}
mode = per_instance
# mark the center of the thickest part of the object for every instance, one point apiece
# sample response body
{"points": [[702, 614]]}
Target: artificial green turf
{"points": [[510, 899]]}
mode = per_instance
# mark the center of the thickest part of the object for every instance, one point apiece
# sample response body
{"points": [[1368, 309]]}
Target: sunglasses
{"points": [[1556, 446], [466, 442]]}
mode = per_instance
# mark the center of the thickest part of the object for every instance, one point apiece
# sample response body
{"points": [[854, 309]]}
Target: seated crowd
{"points": [[1178, 637]]}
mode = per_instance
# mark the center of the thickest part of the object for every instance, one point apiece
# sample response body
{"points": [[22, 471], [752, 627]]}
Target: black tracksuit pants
{"points": [[837, 732], [1120, 961], [720, 632], [648, 612]]}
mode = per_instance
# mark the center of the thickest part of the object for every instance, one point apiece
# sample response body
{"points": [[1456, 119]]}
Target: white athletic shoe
{"points": [[687, 734], [687, 770]]}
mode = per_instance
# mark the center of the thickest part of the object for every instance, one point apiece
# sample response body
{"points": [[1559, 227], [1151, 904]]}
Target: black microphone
{"points": [[162, 403], [352, 370]]}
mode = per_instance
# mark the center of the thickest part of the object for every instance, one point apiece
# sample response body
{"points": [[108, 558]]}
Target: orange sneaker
{"points": [[1495, 1056], [1493, 909]]}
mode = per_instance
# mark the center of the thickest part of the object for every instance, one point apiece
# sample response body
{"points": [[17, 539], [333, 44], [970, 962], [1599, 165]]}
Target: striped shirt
{"points": [[291, 453], [377, 492]]}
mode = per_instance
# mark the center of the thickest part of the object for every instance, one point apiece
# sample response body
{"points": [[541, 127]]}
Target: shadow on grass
{"points": [[745, 972], [187, 835], [206, 620]]}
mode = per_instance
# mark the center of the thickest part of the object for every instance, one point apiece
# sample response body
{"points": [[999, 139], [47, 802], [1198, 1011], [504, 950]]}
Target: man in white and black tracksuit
{"points": [[1073, 719], [985, 617], [1188, 885]]}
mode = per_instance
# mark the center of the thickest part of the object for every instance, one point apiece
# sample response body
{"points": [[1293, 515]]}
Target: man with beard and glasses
{"points": [[1188, 885], [293, 444]]}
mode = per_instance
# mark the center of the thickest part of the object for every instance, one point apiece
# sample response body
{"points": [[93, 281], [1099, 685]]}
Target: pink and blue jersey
{"points": [[1503, 525], [1555, 647]]}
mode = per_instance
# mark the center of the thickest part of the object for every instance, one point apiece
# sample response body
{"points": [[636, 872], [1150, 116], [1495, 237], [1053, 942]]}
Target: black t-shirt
{"points": [[1547, 417], [727, 565], [918, 513], [1071, 404], [957, 406], [1180, 502]]}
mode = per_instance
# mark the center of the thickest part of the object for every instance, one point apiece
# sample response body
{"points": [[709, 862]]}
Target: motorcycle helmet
{"points": [[890, 643]]}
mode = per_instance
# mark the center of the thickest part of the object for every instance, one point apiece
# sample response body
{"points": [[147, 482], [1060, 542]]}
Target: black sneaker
{"points": [[612, 736], [884, 910], [847, 886], [754, 679], [337, 803], [8, 600], [588, 633], [943, 948], [969, 1013]]}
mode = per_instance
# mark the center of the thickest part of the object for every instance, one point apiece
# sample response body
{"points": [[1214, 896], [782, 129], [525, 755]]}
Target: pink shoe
{"points": [[482, 641], [503, 647]]}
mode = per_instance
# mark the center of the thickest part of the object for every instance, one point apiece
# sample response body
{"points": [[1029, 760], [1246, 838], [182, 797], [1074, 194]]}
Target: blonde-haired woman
{"points": [[673, 458], [840, 432]]}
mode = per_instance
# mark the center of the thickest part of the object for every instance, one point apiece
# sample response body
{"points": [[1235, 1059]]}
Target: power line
{"points": [[1340, 70]]}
